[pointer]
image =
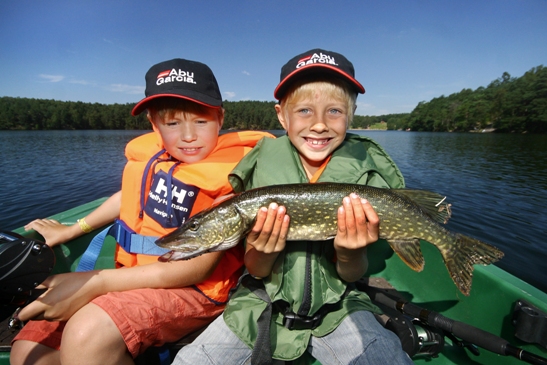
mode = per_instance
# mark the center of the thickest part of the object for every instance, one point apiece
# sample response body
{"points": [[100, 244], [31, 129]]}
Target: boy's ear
{"points": [[150, 118], [281, 116], [221, 119]]}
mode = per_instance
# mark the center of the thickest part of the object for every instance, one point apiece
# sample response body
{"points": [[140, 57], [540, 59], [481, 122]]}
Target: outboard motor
{"points": [[24, 264]]}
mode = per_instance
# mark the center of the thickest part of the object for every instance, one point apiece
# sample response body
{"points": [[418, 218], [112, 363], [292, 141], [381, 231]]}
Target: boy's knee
{"points": [[82, 329], [386, 347]]}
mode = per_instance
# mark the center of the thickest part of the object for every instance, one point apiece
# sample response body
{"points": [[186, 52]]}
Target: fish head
{"points": [[215, 229]]}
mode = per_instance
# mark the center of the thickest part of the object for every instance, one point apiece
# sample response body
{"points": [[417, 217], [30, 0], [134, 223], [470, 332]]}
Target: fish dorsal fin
{"points": [[433, 204], [409, 251]]}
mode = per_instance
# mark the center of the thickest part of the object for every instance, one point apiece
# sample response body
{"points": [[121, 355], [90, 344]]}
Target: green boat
{"points": [[501, 308]]}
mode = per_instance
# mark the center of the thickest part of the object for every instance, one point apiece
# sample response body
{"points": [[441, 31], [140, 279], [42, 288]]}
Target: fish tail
{"points": [[467, 252]]}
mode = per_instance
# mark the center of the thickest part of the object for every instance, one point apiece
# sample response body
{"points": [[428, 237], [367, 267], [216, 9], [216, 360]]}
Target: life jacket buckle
{"points": [[294, 321]]}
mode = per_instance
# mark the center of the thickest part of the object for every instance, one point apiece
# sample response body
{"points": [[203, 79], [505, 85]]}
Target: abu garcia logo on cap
{"points": [[316, 58], [174, 75]]}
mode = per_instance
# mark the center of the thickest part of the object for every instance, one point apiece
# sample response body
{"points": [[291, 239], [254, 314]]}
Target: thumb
{"points": [[34, 310]]}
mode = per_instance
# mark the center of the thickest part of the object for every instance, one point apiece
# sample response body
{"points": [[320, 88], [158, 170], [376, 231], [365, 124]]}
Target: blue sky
{"points": [[404, 52]]}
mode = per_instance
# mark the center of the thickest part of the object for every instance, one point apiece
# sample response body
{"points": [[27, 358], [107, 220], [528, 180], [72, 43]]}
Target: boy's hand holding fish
{"points": [[266, 240], [358, 227]]}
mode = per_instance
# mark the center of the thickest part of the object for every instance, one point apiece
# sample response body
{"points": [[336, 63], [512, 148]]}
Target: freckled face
{"points": [[189, 137], [316, 126]]}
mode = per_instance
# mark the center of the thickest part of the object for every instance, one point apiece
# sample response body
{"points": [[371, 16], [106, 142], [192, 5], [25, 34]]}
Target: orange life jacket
{"points": [[194, 187]]}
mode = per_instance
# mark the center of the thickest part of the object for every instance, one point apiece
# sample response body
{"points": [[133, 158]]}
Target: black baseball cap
{"points": [[316, 61], [180, 78]]}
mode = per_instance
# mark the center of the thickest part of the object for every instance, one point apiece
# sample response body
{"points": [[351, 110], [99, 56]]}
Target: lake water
{"points": [[497, 184]]}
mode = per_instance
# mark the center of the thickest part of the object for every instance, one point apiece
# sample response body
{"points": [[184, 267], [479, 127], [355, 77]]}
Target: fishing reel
{"points": [[417, 338]]}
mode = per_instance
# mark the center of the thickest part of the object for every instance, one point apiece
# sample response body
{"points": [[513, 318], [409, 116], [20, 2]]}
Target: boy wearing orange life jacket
{"points": [[112, 316]]}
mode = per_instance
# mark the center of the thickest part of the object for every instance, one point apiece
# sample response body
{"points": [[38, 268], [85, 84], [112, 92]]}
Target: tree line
{"points": [[43, 114], [507, 104]]}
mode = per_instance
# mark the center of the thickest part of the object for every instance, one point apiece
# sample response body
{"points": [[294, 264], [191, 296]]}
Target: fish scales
{"points": [[406, 216]]}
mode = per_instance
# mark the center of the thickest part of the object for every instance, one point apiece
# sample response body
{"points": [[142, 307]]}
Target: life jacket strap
{"points": [[128, 239], [294, 321], [262, 351]]}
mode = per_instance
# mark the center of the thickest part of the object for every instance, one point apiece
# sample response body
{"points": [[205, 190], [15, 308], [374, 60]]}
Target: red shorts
{"points": [[144, 317]]}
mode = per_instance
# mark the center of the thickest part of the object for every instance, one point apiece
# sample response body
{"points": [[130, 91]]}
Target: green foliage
{"points": [[33, 114], [381, 122], [507, 105], [256, 115], [516, 105]]}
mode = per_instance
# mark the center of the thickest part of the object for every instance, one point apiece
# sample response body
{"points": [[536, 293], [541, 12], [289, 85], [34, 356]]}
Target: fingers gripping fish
{"points": [[406, 217]]}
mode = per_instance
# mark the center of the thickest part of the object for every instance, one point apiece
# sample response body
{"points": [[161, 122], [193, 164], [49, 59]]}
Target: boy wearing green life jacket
{"points": [[299, 296]]}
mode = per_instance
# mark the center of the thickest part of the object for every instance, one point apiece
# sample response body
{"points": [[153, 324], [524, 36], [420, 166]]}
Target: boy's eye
{"points": [[304, 111], [171, 123], [335, 111]]}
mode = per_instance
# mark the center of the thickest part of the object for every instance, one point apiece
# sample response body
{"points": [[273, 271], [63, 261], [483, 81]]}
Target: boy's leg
{"points": [[25, 352], [216, 345], [37, 343], [359, 339], [153, 317], [91, 337]]}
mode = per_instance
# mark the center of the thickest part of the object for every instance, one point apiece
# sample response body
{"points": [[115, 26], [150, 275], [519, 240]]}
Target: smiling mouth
{"points": [[317, 142]]}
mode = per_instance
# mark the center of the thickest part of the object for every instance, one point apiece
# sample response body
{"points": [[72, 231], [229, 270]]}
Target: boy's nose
{"points": [[319, 124], [188, 132]]}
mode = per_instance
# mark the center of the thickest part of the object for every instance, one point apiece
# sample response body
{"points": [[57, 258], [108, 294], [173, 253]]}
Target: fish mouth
{"points": [[173, 242], [176, 256]]}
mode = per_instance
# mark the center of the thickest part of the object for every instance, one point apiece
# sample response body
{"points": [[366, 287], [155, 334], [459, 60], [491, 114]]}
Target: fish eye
{"points": [[194, 226]]}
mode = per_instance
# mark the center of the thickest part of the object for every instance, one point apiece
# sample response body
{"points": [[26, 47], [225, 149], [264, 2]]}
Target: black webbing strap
{"points": [[262, 351]]}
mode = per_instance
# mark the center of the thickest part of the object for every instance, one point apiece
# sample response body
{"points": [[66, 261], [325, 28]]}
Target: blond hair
{"points": [[168, 107], [332, 88]]}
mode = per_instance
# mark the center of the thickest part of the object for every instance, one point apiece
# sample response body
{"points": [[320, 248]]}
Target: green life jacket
{"points": [[304, 279]]}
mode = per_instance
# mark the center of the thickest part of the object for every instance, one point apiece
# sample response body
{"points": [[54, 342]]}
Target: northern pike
{"points": [[406, 216]]}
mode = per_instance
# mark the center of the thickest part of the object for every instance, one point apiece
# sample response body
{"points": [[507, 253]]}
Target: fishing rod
{"points": [[464, 331]]}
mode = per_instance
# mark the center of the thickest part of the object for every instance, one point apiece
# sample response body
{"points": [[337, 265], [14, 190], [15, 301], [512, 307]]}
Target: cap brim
{"points": [[318, 68], [142, 105]]}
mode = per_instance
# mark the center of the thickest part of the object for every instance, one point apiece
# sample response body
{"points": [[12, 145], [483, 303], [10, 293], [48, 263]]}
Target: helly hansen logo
{"points": [[175, 75], [176, 194], [316, 58], [183, 197]]}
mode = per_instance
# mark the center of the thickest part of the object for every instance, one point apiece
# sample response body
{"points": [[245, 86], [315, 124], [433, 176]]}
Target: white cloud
{"points": [[246, 73], [127, 89], [230, 94], [52, 78], [81, 82]]}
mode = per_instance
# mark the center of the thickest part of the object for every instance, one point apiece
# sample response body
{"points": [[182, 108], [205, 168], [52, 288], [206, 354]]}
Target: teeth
{"points": [[318, 141]]}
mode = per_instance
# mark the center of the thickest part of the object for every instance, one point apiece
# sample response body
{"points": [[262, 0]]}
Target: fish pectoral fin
{"points": [[409, 251]]}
